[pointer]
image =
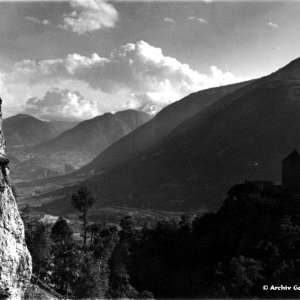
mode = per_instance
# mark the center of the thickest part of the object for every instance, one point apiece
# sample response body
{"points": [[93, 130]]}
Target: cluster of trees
{"points": [[92, 265], [231, 253]]}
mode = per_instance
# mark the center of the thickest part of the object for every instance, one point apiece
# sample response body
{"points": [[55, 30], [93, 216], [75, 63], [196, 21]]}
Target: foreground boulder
{"points": [[15, 259]]}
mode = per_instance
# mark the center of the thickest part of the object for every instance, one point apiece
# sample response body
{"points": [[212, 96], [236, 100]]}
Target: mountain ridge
{"points": [[122, 117], [77, 146], [25, 131], [192, 103], [159, 127], [241, 136]]}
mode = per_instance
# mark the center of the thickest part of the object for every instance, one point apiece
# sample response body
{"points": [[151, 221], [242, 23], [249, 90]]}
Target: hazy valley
{"points": [[39, 149], [190, 153]]}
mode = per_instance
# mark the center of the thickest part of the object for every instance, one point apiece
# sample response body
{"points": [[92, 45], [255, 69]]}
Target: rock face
{"points": [[15, 259]]}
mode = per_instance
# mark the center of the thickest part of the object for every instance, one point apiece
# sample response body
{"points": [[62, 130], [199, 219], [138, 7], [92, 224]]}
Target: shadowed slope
{"points": [[159, 127], [242, 136]]}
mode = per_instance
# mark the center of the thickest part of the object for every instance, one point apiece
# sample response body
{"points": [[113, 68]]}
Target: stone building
{"points": [[291, 171], [267, 190]]}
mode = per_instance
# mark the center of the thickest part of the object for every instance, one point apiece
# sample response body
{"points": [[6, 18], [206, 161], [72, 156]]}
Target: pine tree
{"points": [[83, 200]]}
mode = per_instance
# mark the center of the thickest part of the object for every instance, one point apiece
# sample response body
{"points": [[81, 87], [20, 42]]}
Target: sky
{"points": [[74, 60]]}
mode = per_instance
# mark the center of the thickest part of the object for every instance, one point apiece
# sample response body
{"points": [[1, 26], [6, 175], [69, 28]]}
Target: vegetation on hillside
{"points": [[246, 244]]}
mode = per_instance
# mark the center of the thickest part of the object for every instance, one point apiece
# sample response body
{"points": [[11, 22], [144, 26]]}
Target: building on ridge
{"points": [[267, 190], [291, 171]]}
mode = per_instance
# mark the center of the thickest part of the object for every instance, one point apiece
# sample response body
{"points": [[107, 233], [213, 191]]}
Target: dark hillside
{"points": [[241, 136]]}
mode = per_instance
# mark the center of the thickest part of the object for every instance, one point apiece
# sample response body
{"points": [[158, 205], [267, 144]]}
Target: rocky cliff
{"points": [[15, 260]]}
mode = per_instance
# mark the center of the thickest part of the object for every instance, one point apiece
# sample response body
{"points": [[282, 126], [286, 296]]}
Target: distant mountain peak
{"points": [[24, 116], [25, 131]]}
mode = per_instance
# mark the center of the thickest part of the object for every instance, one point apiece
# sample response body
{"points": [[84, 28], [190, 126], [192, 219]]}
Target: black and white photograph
{"points": [[149, 149]]}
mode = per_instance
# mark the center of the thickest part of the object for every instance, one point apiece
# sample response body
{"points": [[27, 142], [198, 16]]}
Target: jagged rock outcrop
{"points": [[15, 259]]}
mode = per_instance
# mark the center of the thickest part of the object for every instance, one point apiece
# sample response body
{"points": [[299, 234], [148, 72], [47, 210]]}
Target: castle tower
{"points": [[291, 171]]}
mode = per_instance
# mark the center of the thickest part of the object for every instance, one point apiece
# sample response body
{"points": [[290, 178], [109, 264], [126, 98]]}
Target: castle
{"points": [[264, 190]]}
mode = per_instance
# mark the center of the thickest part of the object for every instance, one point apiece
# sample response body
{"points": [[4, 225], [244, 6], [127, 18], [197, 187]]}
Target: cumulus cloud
{"points": [[89, 15], [10, 105], [141, 73], [3, 89], [219, 77], [62, 104], [274, 25]]}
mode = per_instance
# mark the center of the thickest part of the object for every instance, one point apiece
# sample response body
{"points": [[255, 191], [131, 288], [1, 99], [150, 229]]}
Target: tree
{"points": [[94, 230], [120, 283], [104, 247], [83, 200], [39, 245], [65, 256], [61, 232]]}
